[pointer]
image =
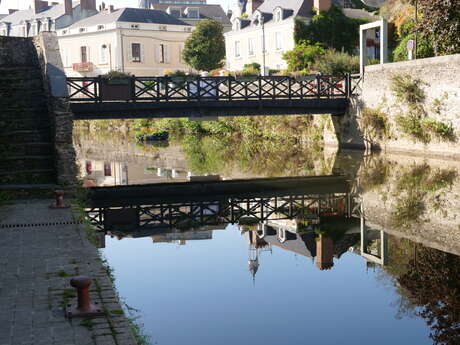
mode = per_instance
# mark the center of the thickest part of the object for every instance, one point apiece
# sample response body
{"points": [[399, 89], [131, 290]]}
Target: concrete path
{"points": [[36, 263]]}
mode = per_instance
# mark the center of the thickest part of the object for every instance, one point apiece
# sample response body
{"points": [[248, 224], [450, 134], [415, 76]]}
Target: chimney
{"points": [[11, 11], [68, 7], [322, 5], [89, 5], [111, 8], [38, 6], [253, 5], [324, 253]]}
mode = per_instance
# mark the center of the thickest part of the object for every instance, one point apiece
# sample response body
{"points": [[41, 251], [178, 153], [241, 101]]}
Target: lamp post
{"points": [[263, 45], [416, 29]]}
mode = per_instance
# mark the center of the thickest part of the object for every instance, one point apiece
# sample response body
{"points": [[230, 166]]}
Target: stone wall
{"points": [[62, 117], [437, 79], [412, 197]]}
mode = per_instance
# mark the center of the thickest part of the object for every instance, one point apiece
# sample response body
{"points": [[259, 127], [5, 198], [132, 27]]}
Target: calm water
{"points": [[378, 265]]}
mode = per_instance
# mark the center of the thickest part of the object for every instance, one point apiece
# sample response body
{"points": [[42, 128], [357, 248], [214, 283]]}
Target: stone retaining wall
{"points": [[437, 78]]}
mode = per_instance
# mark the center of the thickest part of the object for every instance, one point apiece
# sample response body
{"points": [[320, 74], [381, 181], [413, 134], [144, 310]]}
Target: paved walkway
{"points": [[36, 263]]}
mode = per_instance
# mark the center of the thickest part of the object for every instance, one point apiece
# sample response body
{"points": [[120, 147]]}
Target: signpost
{"points": [[410, 49]]}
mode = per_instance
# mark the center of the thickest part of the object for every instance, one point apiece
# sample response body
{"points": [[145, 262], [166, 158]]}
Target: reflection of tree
{"points": [[432, 281], [265, 157]]}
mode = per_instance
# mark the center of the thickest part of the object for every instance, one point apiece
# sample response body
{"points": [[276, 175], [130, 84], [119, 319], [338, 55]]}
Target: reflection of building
{"points": [[324, 252], [103, 173]]}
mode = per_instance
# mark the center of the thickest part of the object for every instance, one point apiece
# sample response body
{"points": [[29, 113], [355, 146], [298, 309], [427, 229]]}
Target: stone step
{"points": [[38, 176], [15, 111], [30, 149], [24, 124], [25, 136], [26, 162]]}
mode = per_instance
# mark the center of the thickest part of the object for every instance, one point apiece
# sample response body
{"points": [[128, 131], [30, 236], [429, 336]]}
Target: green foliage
{"points": [[375, 122], [440, 20], [407, 89], [375, 175], [302, 57], [155, 135], [205, 48], [332, 29], [336, 63], [439, 129], [424, 46], [254, 66], [412, 126], [111, 75]]}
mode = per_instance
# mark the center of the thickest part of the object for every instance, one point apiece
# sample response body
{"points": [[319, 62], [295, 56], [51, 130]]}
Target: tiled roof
{"points": [[52, 11], [214, 12], [132, 15]]}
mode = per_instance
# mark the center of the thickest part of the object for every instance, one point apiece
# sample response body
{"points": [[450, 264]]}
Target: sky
{"points": [[24, 4]]}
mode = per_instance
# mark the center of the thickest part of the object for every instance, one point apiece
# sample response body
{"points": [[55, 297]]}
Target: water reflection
{"points": [[371, 244]]}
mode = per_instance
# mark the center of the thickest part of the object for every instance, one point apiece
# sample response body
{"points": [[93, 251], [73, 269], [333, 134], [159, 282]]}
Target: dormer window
{"points": [[174, 11], [237, 25], [192, 12], [163, 28], [257, 19], [100, 27], [278, 14], [82, 30]]}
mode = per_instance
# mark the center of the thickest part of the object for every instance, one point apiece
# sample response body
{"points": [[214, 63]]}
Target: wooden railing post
{"points": [[97, 89], [229, 80], [318, 86], [198, 87], [166, 81], [133, 88]]}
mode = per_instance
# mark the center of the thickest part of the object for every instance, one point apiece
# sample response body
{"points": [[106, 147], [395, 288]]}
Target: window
{"points": [[162, 52], [188, 29], [103, 58], [193, 13], [279, 41], [100, 27], [278, 14], [251, 46], [163, 28], [135, 26], [237, 49], [136, 52], [174, 11], [84, 54], [64, 32], [82, 30]]}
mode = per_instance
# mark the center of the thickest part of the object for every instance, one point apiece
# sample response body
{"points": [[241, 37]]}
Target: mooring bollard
{"points": [[59, 203], [83, 308]]}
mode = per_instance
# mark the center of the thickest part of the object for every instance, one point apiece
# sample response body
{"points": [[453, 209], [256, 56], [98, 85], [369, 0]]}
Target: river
{"points": [[375, 264]]}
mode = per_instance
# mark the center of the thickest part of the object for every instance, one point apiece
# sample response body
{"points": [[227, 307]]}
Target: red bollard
{"points": [[59, 203], [84, 308]]}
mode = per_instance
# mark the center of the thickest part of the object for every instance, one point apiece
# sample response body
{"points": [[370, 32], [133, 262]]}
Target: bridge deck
{"points": [[148, 97]]}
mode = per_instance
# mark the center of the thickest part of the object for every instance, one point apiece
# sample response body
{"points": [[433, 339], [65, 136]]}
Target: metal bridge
{"points": [[162, 97], [194, 204]]}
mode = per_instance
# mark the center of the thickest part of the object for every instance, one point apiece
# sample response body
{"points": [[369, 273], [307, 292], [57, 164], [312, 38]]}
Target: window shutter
{"points": [[130, 53], [166, 54], [159, 54], [142, 53], [88, 54]]}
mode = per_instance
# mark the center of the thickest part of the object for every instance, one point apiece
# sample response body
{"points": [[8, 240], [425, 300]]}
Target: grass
{"points": [[375, 121], [407, 89], [88, 323]]}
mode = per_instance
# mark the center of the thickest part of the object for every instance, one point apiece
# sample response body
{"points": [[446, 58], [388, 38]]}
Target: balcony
{"points": [[83, 67]]}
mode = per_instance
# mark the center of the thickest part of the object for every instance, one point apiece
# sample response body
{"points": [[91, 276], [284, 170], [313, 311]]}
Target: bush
{"points": [[254, 66], [439, 129], [424, 48], [375, 120], [406, 89], [412, 126], [303, 56], [335, 63], [115, 75]]}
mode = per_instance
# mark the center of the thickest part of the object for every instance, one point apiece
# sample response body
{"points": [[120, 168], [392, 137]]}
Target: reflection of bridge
{"points": [[194, 204], [144, 97]]}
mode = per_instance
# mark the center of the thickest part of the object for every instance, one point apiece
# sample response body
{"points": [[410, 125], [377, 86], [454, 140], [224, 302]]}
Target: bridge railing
{"points": [[164, 89]]}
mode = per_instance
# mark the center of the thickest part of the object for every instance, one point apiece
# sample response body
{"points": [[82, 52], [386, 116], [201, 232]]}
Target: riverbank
{"points": [[42, 249]]}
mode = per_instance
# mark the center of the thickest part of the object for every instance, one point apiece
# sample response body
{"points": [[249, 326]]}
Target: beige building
{"points": [[267, 32], [137, 41]]}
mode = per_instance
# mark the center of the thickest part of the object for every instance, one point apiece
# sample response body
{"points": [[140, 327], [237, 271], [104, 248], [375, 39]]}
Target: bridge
{"points": [[185, 205], [94, 98]]}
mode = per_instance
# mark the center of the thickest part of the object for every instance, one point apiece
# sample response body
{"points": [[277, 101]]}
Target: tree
{"points": [[205, 48], [303, 56], [332, 28], [440, 19]]}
